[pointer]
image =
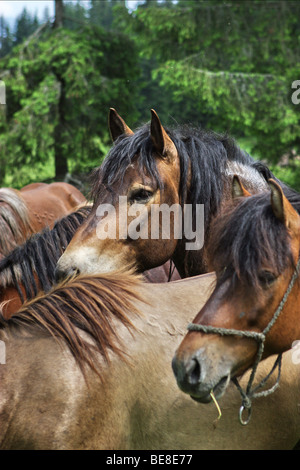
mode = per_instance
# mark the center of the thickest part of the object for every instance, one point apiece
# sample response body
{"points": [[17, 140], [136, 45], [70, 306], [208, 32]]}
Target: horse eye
{"points": [[140, 195], [266, 278]]}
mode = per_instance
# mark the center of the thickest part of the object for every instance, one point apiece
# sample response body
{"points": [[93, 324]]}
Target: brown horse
{"points": [[30, 267], [34, 207], [153, 169], [88, 367], [253, 312]]}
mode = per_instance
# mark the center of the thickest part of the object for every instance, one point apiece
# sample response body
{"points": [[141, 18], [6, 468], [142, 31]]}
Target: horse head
{"points": [[120, 230], [254, 250]]}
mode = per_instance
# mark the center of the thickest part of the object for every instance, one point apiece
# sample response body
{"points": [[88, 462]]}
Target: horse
{"points": [[153, 167], [87, 367], [30, 209], [252, 313], [30, 267]]}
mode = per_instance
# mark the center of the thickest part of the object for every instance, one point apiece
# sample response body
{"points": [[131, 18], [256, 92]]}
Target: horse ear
{"points": [[117, 126], [160, 139], [238, 190], [282, 208]]}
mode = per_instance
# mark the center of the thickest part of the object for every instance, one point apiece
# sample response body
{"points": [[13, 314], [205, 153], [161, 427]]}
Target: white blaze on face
{"points": [[87, 260]]}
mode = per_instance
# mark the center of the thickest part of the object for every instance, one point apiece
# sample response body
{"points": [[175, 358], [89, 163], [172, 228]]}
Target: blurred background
{"points": [[228, 66]]}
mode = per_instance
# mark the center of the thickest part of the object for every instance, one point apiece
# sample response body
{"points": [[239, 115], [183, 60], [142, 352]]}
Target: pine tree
{"points": [[26, 24], [6, 38]]}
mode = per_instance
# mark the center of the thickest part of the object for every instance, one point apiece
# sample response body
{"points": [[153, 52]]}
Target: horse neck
{"points": [[191, 263], [188, 263]]}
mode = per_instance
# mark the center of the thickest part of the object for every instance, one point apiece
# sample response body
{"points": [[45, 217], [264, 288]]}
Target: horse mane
{"points": [[245, 238], [205, 152], [80, 313], [39, 255], [15, 224]]}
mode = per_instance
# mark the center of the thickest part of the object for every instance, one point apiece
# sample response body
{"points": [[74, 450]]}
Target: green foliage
{"points": [[230, 64], [75, 15], [26, 24], [6, 38], [289, 174], [225, 66], [80, 67]]}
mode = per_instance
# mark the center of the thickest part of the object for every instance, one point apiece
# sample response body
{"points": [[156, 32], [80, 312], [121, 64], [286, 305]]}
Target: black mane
{"points": [[207, 152], [247, 237], [39, 255]]}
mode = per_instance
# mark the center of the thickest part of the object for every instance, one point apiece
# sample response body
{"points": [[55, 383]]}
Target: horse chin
{"points": [[218, 391]]}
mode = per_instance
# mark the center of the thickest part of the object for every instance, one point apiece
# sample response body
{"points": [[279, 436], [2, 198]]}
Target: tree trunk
{"points": [[59, 12], [61, 161]]}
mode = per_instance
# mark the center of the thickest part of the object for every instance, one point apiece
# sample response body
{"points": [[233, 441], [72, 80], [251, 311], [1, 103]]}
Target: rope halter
{"points": [[250, 393]]}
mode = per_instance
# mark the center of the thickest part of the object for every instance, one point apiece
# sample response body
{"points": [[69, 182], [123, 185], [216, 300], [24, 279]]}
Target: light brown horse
{"points": [[27, 211], [121, 333], [253, 312], [155, 168]]}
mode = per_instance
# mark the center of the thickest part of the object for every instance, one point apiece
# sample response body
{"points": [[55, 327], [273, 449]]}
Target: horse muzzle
{"points": [[198, 377], [61, 274]]}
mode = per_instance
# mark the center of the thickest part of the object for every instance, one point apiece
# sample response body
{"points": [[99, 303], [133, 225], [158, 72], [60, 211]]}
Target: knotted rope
{"points": [[250, 394]]}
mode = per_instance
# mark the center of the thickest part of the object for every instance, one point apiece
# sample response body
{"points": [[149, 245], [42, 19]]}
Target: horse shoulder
{"points": [[39, 382]]}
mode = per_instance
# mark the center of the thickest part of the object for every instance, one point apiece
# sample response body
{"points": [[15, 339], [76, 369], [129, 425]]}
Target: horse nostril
{"points": [[187, 372], [58, 275], [193, 372], [61, 274]]}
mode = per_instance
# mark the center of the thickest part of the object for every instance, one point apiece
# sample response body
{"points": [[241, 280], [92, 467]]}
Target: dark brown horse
{"points": [[178, 171], [88, 367], [34, 207], [253, 312]]}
